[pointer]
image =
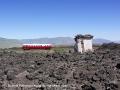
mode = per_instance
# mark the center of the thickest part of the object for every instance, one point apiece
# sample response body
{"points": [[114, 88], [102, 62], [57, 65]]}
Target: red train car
{"points": [[37, 46]]}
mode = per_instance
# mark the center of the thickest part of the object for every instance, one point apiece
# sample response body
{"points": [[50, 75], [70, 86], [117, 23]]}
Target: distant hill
{"points": [[101, 41], [55, 41], [62, 41], [117, 42], [8, 43]]}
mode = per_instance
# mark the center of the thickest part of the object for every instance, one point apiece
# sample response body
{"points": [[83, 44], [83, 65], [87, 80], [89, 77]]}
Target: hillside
{"points": [[55, 41], [8, 43], [101, 41]]}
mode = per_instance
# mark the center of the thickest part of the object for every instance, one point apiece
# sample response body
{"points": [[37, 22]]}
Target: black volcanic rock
{"points": [[98, 70], [87, 87]]}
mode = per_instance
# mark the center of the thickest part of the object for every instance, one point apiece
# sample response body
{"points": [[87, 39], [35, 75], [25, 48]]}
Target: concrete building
{"points": [[83, 43]]}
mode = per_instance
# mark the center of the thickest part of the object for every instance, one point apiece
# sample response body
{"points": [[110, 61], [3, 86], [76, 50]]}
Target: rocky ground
{"points": [[98, 70]]}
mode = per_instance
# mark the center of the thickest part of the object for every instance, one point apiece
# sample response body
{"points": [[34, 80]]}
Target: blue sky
{"points": [[21, 19]]}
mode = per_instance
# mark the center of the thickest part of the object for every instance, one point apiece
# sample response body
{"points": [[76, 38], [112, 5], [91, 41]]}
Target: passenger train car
{"points": [[37, 46]]}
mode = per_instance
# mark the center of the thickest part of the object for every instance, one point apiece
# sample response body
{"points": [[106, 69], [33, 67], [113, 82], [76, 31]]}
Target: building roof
{"points": [[37, 44], [88, 36], [80, 36]]}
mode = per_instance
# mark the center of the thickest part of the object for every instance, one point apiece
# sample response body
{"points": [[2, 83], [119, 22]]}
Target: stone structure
{"points": [[83, 43]]}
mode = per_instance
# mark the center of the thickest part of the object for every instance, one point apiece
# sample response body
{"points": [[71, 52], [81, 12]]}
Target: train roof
{"points": [[37, 44]]}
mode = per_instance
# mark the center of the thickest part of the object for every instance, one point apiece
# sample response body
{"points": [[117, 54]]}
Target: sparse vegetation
{"points": [[62, 49]]}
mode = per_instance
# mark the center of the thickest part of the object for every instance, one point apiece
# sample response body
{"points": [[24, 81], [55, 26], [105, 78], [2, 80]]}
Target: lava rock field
{"points": [[98, 70]]}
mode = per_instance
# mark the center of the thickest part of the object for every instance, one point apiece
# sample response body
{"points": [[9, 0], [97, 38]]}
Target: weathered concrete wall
{"points": [[88, 45], [83, 45], [78, 46]]}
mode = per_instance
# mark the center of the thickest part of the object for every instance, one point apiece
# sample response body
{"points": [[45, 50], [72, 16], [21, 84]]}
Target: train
{"points": [[37, 46]]}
